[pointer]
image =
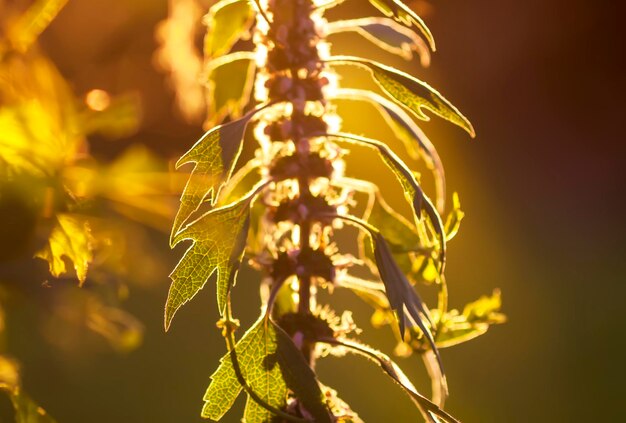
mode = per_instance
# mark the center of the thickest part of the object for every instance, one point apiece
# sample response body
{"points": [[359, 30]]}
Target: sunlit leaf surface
{"points": [[226, 22], [412, 190], [475, 320], [430, 411], [215, 156], [229, 85], [70, 239], [415, 141], [386, 34], [402, 13], [266, 361], [453, 221], [39, 127], [410, 92], [219, 238]]}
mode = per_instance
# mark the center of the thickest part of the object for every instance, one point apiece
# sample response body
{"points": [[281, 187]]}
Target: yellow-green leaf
{"points": [[219, 239], [267, 362], [39, 130], [226, 22], [410, 92], [431, 412], [386, 34], [456, 215], [412, 190], [71, 238], [403, 298], [409, 308], [215, 156], [229, 85], [402, 13], [408, 249], [477, 317], [406, 130]]}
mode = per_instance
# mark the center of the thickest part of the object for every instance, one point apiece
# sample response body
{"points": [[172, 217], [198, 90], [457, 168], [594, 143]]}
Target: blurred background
{"points": [[542, 187]]}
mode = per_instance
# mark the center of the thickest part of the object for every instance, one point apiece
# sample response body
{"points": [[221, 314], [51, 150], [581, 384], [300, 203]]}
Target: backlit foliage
{"points": [[52, 196], [282, 209]]}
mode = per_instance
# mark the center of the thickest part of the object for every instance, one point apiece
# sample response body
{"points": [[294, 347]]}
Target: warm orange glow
{"points": [[98, 100]]}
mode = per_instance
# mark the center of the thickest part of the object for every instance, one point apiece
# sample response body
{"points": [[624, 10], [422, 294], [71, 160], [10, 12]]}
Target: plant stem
{"points": [[293, 71]]}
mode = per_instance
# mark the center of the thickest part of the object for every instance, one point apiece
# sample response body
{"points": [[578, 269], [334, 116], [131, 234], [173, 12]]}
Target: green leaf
{"points": [[402, 13], [219, 240], [412, 137], [475, 320], [229, 84], [226, 22], [386, 34], [32, 140], [412, 190], [410, 92], [403, 299], [456, 215], [71, 238], [409, 252], [39, 131], [430, 410], [266, 362], [215, 156]]}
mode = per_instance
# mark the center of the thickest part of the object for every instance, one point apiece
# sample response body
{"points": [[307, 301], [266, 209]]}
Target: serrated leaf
{"points": [[229, 84], [226, 22], [219, 241], [410, 92], [386, 34], [412, 137], [215, 156], [402, 13], [71, 238], [269, 364], [430, 410]]}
